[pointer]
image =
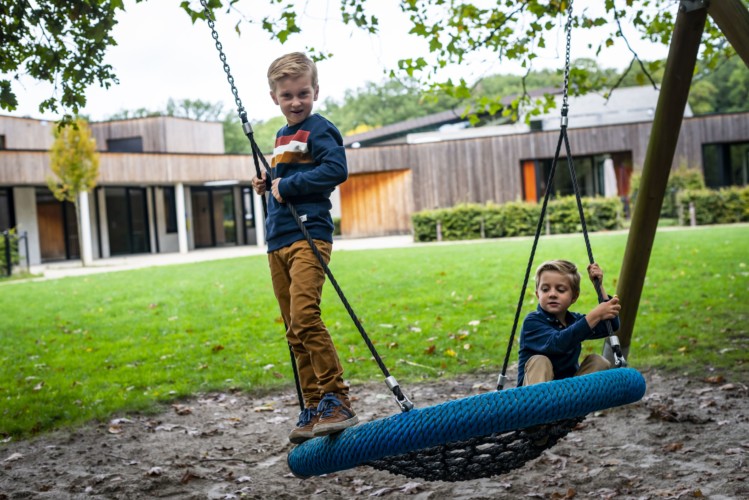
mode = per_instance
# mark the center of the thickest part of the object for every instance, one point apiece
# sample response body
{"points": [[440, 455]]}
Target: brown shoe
{"points": [[335, 415], [304, 427]]}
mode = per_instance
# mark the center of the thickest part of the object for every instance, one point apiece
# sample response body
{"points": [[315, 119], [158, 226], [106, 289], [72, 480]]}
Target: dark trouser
{"points": [[298, 280]]}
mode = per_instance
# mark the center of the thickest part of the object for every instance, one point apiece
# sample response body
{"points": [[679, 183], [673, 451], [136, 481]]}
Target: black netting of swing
{"points": [[479, 457]]}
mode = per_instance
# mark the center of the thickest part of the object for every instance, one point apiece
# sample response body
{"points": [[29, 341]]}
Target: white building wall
{"points": [[103, 227], [168, 242], [24, 201]]}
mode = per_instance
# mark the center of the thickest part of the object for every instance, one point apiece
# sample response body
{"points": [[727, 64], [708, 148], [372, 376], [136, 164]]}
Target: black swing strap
{"points": [[403, 402]]}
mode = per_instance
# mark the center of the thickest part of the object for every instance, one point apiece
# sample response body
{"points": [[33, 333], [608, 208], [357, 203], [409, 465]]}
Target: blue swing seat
{"points": [[467, 418]]}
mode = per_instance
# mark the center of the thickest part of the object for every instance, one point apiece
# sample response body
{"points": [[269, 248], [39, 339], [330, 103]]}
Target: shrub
{"points": [[462, 222], [520, 219], [723, 206], [471, 221], [679, 180], [14, 257]]}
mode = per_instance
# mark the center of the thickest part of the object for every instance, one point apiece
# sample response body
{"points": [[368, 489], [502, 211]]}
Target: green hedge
{"points": [[679, 180], [473, 221], [721, 206]]}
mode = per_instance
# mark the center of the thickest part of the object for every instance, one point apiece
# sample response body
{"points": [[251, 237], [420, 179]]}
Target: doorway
{"points": [[127, 220], [58, 227], [214, 217], [376, 204]]}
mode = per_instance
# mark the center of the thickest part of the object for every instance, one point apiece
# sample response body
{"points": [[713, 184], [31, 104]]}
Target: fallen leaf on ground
{"points": [[188, 476], [182, 409], [672, 447], [411, 488], [13, 457], [155, 471]]}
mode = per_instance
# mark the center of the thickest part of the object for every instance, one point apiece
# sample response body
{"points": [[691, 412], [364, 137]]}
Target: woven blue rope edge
{"points": [[461, 419]]}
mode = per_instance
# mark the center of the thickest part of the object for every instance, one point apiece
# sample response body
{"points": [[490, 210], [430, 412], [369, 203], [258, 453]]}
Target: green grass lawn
{"points": [[79, 348]]}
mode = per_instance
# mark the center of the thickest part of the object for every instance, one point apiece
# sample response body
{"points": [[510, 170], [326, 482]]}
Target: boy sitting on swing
{"points": [[551, 337]]}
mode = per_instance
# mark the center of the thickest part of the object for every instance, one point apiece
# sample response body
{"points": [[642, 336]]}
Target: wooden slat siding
{"points": [[23, 168], [480, 170], [25, 133], [376, 204], [164, 134], [32, 168], [489, 168]]}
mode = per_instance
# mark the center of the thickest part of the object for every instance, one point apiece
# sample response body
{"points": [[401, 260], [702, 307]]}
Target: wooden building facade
{"points": [[513, 167], [165, 184]]}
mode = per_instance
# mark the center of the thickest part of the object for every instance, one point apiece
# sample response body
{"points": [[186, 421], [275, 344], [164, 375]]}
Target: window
{"points": [[598, 175], [248, 208], [6, 209], [588, 177], [2, 142], [125, 145], [726, 164], [170, 209], [127, 221]]}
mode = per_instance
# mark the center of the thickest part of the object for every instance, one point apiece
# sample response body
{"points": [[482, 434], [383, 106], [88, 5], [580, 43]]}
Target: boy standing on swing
{"points": [[308, 163], [551, 337]]}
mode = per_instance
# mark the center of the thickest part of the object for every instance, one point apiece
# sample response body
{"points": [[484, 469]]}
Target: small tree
{"points": [[75, 164]]}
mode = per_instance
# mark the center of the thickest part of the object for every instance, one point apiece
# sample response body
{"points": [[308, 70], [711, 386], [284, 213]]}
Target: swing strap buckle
{"points": [[400, 398], [619, 361]]}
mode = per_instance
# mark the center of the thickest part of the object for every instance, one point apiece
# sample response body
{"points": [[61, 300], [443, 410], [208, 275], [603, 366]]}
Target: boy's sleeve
{"points": [[600, 331], [541, 337], [326, 147]]}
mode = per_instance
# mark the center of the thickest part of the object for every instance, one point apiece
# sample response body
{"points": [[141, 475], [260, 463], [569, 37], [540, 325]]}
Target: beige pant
{"points": [[539, 369], [298, 279]]}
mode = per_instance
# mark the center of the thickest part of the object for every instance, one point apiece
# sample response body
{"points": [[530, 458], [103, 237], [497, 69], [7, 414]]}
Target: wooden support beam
{"points": [[672, 100], [732, 17]]}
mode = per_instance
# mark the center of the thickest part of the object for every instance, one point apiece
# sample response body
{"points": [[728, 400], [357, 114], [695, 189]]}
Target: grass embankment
{"points": [[88, 347]]}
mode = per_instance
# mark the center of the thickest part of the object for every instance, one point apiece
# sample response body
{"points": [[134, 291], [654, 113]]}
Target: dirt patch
{"points": [[687, 438]]}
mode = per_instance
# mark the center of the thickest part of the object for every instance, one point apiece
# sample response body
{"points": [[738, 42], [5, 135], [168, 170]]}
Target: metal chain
{"points": [[568, 29], [222, 56], [392, 384]]}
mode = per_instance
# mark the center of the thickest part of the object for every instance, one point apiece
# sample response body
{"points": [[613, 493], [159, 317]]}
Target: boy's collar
{"points": [[551, 317]]}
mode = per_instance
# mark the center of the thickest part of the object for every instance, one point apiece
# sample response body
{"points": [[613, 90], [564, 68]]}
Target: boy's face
{"points": [[295, 96], [555, 294]]}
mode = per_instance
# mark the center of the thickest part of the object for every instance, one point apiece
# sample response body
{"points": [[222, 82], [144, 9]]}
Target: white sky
{"points": [[161, 54]]}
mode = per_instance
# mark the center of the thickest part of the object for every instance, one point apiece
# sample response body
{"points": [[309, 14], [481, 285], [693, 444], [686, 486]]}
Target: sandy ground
{"points": [[688, 438]]}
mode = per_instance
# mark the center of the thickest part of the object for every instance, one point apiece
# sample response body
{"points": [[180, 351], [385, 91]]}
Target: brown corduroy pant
{"points": [[298, 279]]}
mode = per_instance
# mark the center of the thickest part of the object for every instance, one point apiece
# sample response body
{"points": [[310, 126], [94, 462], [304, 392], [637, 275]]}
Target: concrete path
{"points": [[56, 270]]}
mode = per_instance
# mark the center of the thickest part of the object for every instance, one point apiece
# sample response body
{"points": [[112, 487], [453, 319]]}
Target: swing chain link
{"points": [[568, 48], [222, 56]]}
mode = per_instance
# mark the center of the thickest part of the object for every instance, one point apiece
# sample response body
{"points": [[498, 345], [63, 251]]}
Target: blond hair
{"points": [[564, 267], [291, 65]]}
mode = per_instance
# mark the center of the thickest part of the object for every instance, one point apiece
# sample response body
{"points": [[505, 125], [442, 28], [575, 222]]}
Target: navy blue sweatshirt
{"points": [[311, 161], [543, 333]]}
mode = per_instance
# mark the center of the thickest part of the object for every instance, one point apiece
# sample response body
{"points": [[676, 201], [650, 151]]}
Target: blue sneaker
{"points": [[304, 427], [335, 415]]}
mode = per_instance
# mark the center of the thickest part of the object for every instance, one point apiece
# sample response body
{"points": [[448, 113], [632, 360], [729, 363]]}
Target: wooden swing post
{"points": [[682, 58], [732, 17]]}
